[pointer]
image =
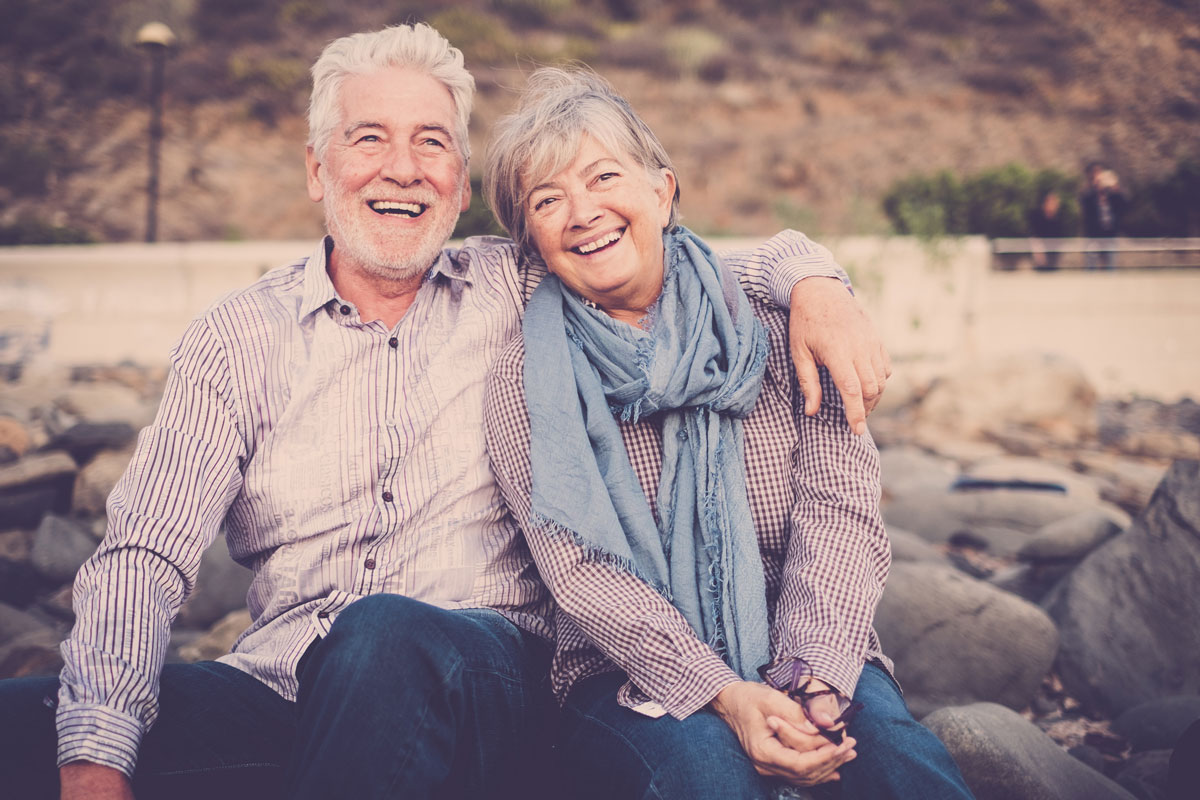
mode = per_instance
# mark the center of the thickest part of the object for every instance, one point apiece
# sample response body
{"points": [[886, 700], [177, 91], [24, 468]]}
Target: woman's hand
{"points": [[778, 737]]}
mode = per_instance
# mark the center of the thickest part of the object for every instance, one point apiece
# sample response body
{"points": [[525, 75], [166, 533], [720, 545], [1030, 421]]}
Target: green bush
{"points": [[28, 230], [1169, 206], [995, 202], [477, 220]]}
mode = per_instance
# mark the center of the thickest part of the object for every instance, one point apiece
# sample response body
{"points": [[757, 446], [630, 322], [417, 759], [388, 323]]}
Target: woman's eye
{"points": [[540, 204], [604, 176]]}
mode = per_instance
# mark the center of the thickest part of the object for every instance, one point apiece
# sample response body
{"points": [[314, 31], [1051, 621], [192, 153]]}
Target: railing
{"points": [[1118, 253]]}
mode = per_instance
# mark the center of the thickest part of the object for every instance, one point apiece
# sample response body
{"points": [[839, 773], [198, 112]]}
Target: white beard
{"points": [[391, 258]]}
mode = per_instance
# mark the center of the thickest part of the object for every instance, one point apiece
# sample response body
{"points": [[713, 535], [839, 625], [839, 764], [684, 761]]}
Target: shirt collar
{"points": [[319, 290]]}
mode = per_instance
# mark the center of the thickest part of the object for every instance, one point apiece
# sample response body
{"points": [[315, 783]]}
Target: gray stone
{"points": [[104, 402], [1005, 757], [1144, 774], [221, 587], [60, 547], [1127, 614], [905, 470], [33, 486], [1129, 483], [96, 480], [1003, 519], [1031, 581], [84, 439], [907, 546], [958, 640], [19, 582], [1071, 538], [1158, 724], [1012, 468], [14, 436], [32, 653], [15, 622]]}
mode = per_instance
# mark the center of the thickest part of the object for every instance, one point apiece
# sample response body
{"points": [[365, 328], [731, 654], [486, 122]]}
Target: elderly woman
{"points": [[692, 523]]}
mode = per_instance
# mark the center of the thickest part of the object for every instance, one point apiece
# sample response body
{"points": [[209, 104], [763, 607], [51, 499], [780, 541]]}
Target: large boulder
{"points": [[60, 547], [36, 484], [957, 640], [999, 519], [1005, 757], [1128, 613], [221, 587], [96, 480], [1045, 393], [906, 469], [1158, 724], [1070, 538]]}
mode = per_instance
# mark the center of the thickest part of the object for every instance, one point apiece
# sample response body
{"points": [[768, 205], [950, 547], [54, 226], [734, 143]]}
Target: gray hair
{"points": [[417, 46], [540, 138]]}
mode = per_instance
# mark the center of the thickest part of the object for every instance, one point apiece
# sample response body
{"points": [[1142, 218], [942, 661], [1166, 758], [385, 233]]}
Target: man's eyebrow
{"points": [[354, 127]]}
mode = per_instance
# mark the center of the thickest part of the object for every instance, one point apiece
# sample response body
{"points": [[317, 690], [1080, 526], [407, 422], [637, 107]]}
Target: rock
{"points": [[1005, 757], [16, 545], [60, 547], [1088, 755], [907, 546], [1070, 538], [221, 587], [96, 480], [957, 640], [1144, 775], [33, 486], [103, 403], [1000, 519], [1158, 724], [1127, 614], [14, 436], [1125, 482], [1014, 468], [1183, 776], [219, 640], [84, 439], [32, 653], [15, 622], [1031, 581], [19, 582], [905, 470], [1046, 393]]}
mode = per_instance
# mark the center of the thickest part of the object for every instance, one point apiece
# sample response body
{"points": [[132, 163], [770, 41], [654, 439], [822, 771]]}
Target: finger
{"points": [[848, 385], [808, 377], [802, 768], [872, 388]]}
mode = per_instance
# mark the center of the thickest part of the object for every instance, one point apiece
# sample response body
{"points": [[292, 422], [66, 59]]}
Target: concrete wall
{"points": [[939, 306]]}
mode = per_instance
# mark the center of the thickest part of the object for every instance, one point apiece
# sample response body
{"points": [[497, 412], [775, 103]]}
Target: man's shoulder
{"points": [[281, 286]]}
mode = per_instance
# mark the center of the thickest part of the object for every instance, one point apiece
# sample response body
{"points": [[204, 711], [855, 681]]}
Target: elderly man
{"points": [[329, 418]]}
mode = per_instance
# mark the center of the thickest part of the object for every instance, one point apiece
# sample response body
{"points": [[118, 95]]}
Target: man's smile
{"points": [[393, 207]]}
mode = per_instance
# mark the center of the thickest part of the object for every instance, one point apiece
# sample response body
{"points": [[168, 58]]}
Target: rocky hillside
{"points": [[777, 113]]}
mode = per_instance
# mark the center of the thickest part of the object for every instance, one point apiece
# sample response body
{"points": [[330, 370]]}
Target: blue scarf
{"points": [[701, 363]]}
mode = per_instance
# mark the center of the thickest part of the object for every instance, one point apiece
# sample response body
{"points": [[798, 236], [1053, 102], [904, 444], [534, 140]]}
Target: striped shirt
{"points": [[341, 458], [814, 495]]}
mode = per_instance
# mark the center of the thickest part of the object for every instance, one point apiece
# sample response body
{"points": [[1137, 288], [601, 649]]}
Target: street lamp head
{"points": [[154, 35]]}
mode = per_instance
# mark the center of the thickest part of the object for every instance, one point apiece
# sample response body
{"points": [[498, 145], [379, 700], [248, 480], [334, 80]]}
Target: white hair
{"points": [[417, 46]]}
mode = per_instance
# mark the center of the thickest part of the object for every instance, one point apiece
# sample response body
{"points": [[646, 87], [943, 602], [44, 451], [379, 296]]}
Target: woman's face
{"points": [[598, 226]]}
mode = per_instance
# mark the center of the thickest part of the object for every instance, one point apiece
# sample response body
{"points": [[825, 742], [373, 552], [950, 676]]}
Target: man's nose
{"points": [[400, 166]]}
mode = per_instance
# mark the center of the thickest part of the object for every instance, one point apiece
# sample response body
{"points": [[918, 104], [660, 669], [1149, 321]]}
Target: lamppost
{"points": [[155, 38]]}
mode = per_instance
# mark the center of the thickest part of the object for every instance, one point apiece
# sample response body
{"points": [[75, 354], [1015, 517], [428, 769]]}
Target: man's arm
{"points": [[828, 326], [162, 515], [838, 554]]}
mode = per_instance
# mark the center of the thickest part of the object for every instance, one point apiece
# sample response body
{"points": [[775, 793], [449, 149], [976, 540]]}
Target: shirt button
{"points": [[393, 342], [322, 615], [370, 563], [345, 310], [387, 497]]}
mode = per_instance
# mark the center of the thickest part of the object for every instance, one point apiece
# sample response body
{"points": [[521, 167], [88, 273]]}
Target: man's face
{"points": [[392, 178]]}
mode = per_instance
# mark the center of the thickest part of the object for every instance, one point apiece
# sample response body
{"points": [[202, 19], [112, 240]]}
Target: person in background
{"points": [[715, 553], [1045, 222], [1103, 206]]}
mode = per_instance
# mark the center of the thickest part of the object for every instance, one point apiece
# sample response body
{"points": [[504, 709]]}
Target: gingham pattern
{"points": [[342, 458], [814, 495]]}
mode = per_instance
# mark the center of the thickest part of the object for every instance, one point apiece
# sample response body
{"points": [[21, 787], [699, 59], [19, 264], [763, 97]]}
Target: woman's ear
{"points": [[666, 196]]}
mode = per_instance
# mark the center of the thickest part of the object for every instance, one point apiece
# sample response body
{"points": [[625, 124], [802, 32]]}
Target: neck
{"points": [[376, 298]]}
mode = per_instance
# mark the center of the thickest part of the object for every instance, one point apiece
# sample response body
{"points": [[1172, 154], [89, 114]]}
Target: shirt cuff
{"points": [[789, 272], [698, 684], [827, 665], [98, 734]]}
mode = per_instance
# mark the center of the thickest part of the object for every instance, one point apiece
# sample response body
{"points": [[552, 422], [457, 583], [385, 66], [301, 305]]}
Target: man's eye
{"points": [[434, 142], [370, 138]]}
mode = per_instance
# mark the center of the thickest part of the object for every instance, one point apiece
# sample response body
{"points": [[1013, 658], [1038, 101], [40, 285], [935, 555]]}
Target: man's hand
{"points": [[778, 738], [828, 326], [84, 780]]}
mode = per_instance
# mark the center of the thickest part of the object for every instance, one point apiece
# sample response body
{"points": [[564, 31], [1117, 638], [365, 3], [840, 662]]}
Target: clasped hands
{"points": [[778, 736]]}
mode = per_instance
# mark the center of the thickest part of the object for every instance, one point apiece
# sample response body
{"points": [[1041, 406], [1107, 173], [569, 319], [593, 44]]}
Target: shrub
{"points": [[995, 202]]}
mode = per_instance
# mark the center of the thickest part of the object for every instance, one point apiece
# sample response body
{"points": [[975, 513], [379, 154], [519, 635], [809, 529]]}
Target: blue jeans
{"points": [[400, 699], [612, 753]]}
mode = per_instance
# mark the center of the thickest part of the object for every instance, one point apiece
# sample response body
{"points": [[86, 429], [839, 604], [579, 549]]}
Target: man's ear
{"points": [[466, 192], [312, 175]]}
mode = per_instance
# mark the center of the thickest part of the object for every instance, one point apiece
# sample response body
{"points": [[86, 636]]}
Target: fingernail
{"points": [[860, 428]]}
